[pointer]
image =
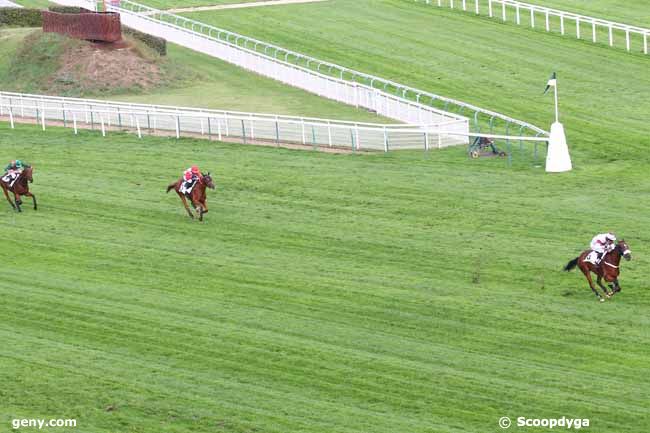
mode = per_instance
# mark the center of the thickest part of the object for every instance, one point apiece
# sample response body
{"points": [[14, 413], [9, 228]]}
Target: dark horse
{"points": [[608, 268], [197, 196], [20, 188]]}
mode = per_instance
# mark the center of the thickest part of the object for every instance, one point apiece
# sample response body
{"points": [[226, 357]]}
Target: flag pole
{"points": [[557, 107]]}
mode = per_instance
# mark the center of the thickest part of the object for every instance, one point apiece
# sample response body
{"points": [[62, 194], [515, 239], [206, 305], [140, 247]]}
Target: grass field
{"points": [[633, 12], [209, 83], [492, 65], [402, 292]]}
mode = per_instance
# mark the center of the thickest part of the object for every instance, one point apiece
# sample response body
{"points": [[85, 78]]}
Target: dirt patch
{"points": [[98, 67]]}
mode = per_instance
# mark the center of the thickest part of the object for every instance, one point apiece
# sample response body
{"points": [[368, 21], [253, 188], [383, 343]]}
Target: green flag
{"points": [[551, 82]]}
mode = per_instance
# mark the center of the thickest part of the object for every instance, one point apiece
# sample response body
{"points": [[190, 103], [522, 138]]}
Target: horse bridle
{"points": [[621, 252]]}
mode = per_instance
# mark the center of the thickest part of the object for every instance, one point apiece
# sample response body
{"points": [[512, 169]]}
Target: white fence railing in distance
{"points": [[223, 125], [582, 26], [326, 79], [351, 93]]}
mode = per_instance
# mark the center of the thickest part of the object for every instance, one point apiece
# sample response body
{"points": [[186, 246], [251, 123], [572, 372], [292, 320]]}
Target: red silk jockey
{"points": [[190, 177]]}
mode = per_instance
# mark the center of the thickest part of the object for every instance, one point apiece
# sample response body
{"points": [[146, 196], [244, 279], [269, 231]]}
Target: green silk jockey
{"points": [[12, 171]]}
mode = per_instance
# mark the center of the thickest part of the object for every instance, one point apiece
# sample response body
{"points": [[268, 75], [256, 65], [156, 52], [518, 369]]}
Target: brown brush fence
{"points": [[86, 24]]}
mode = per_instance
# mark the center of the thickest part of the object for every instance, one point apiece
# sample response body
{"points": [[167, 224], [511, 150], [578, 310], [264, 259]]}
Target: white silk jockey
{"points": [[601, 244], [11, 176]]}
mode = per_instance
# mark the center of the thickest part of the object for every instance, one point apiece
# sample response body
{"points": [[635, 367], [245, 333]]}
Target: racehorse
{"points": [[197, 196], [608, 268], [20, 188]]}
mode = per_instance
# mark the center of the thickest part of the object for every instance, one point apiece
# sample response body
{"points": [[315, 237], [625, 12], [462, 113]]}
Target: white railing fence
{"points": [[180, 122], [326, 79], [633, 38]]}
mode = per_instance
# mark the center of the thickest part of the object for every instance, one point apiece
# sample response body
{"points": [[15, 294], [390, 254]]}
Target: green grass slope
{"points": [[498, 66], [406, 292], [633, 12], [190, 79]]}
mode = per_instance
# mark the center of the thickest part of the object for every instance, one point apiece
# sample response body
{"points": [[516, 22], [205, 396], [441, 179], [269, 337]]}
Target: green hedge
{"points": [[64, 9], [20, 17], [154, 42]]}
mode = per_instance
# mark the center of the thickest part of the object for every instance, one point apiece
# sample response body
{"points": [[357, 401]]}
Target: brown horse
{"points": [[608, 268], [197, 196], [20, 188]]}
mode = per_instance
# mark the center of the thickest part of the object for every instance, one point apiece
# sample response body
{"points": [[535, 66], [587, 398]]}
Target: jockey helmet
{"points": [[195, 169], [610, 237]]}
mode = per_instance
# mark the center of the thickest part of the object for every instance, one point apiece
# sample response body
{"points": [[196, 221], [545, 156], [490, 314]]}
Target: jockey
{"points": [[190, 176], [602, 244], [12, 171]]}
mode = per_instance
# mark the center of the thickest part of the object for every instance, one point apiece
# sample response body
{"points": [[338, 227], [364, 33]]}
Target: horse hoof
{"points": [[602, 300]]}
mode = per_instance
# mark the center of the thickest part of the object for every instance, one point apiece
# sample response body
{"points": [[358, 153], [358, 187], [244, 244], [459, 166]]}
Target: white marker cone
{"points": [[557, 157]]}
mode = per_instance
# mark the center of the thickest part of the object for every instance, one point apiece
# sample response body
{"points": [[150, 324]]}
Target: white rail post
{"points": [[439, 3], [561, 23], [532, 17], [101, 119], [252, 127], [219, 129], [464, 5], [329, 133], [645, 43], [356, 133], [451, 4], [594, 38], [74, 122], [518, 17], [202, 128], [225, 119], [137, 125], [503, 10], [578, 27], [43, 115], [11, 118], [302, 125], [490, 8], [476, 7], [611, 36], [385, 140], [627, 39], [548, 24], [178, 126]]}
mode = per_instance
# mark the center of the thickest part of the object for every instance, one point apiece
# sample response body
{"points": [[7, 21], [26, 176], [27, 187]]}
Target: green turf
{"points": [[42, 4], [405, 292], [165, 4], [199, 81], [633, 12], [496, 66]]}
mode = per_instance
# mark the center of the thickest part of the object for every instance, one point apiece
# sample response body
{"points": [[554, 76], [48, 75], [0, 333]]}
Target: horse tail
{"points": [[171, 186], [572, 264]]}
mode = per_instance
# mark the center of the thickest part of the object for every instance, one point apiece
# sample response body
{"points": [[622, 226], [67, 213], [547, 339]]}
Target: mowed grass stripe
{"points": [[358, 320]]}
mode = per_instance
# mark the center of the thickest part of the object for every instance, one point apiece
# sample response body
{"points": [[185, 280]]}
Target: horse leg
{"points": [[8, 199], [187, 208], [29, 194], [599, 280], [18, 202], [617, 286], [591, 283]]}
